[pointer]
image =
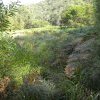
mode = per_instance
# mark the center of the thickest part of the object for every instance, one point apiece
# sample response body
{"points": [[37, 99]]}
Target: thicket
{"points": [[78, 16], [68, 13]]}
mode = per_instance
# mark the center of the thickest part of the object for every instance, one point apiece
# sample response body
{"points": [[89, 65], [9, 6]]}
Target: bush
{"points": [[7, 48], [77, 15], [41, 91], [12, 56], [91, 71], [36, 24]]}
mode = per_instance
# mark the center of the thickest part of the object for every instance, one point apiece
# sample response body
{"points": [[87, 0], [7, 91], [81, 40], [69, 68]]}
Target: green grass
{"points": [[44, 52], [48, 28]]}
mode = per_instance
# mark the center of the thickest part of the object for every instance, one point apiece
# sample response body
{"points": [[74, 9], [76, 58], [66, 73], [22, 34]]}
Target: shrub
{"points": [[42, 91], [7, 47], [36, 24], [77, 15]]}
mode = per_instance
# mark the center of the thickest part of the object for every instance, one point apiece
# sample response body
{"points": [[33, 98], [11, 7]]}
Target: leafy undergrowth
{"points": [[35, 64]]}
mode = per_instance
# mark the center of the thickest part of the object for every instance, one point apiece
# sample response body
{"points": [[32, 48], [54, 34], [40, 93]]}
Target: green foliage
{"points": [[36, 24], [21, 20], [46, 11], [97, 15], [78, 15], [91, 69], [5, 13], [41, 91], [6, 57], [39, 58], [51, 12], [11, 56], [45, 49], [3, 17]]}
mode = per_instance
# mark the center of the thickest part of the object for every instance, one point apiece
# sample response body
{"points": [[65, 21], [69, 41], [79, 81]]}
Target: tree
{"points": [[97, 14], [5, 13], [3, 17], [78, 15]]}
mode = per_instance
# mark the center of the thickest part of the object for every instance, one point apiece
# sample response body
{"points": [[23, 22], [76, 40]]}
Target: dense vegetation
{"points": [[50, 50]]}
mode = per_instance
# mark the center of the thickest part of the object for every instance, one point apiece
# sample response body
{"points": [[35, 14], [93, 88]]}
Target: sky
{"points": [[22, 1]]}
